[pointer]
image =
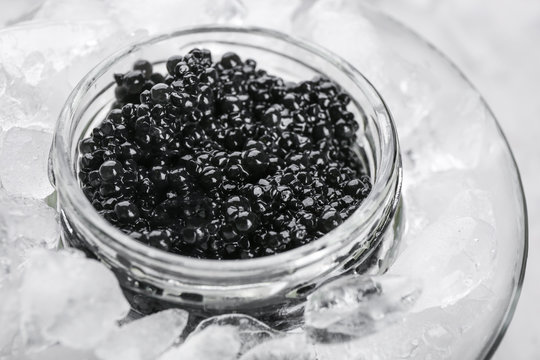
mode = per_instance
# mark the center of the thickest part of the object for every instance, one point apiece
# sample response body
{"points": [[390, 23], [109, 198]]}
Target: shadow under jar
{"points": [[272, 288]]}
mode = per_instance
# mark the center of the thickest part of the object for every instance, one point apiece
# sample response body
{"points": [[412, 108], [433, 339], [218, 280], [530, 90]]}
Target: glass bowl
{"points": [[457, 169]]}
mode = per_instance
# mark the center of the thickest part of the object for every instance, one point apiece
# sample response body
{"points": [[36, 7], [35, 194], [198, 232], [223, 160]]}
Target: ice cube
{"points": [[439, 142], [10, 254], [212, 343], [24, 161], [292, 347], [467, 148], [145, 338], [474, 203], [26, 93], [131, 14], [3, 81], [354, 306], [227, 11], [88, 43], [69, 299], [66, 10], [257, 13], [451, 256], [399, 341], [10, 260], [433, 333], [428, 198], [250, 330], [58, 352], [17, 11], [316, 20], [437, 333], [27, 221], [9, 318], [438, 336], [38, 74], [22, 109], [24, 224]]}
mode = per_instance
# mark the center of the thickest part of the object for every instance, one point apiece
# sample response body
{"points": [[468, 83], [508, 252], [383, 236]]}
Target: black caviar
{"points": [[223, 160]]}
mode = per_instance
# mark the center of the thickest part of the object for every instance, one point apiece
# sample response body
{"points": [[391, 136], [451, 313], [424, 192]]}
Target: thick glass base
{"points": [[282, 312]]}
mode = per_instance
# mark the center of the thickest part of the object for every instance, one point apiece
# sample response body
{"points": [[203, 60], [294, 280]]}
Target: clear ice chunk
{"points": [[474, 203], [145, 338], [24, 162], [58, 352], [24, 224], [29, 222], [444, 195], [9, 318], [250, 330], [131, 15], [355, 306], [227, 11], [316, 21], [14, 12], [212, 343], [62, 10], [434, 333], [37, 75], [461, 256], [291, 347], [31, 97], [259, 10], [68, 299]]}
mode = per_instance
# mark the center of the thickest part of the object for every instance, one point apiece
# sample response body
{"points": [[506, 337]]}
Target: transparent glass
{"points": [[365, 242], [457, 166]]}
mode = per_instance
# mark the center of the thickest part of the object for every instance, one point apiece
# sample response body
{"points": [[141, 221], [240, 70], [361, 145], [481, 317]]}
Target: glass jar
{"points": [[276, 284]]}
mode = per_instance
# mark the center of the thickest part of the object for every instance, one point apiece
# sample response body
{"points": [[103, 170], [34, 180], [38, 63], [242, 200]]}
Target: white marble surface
{"points": [[495, 42]]}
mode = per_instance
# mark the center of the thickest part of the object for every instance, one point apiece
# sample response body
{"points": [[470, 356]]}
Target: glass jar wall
{"points": [[276, 284]]}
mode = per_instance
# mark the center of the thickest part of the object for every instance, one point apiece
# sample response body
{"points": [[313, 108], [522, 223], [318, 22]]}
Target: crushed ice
{"points": [[355, 306], [60, 305]]}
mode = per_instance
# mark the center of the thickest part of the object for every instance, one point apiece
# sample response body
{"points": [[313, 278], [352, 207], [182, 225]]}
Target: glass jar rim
{"points": [[66, 180]]}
